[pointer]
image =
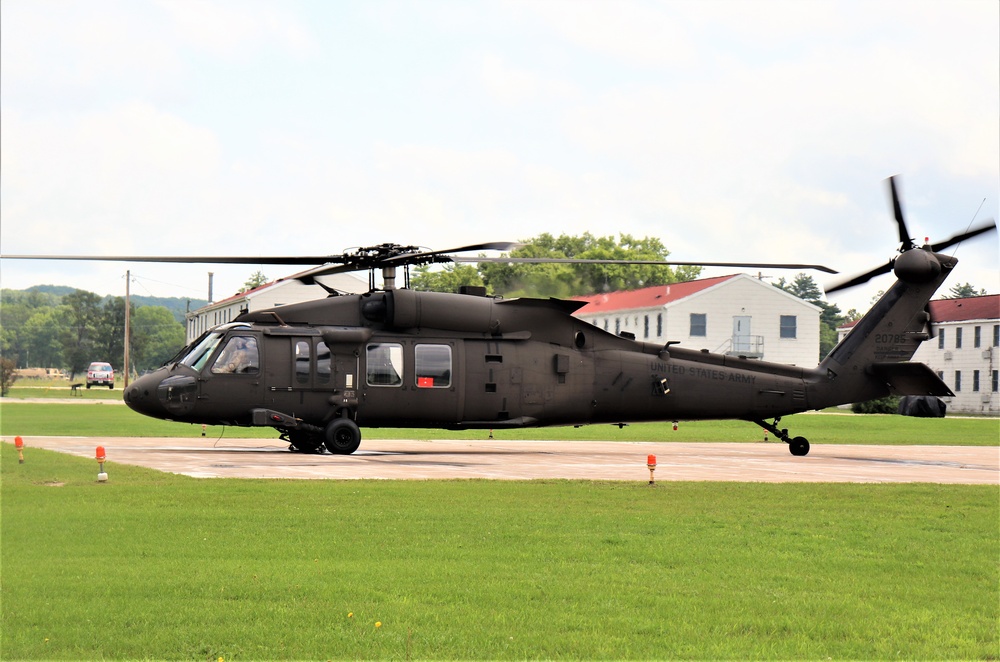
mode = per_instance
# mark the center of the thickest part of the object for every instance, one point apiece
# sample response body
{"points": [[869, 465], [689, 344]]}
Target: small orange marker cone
{"points": [[19, 445], [675, 426], [651, 465], [101, 456]]}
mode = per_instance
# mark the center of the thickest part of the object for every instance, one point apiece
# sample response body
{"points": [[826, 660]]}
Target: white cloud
{"points": [[233, 29]]}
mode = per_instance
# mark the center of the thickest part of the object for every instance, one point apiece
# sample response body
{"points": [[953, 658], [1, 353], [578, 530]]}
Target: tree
{"points": [[7, 375], [255, 280], [80, 336], [963, 291], [449, 279], [111, 332], [42, 336], [156, 336], [566, 280]]}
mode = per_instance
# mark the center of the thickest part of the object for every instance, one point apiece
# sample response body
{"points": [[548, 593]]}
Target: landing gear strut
{"points": [[799, 446]]}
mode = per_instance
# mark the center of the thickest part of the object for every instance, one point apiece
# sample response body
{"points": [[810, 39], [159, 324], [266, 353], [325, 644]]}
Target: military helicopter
{"points": [[320, 371]]}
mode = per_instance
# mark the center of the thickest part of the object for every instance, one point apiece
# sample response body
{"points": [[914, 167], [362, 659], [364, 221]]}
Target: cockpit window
{"points": [[238, 357], [198, 356]]}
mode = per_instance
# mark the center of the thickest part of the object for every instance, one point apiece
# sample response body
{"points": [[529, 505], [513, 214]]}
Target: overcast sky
{"points": [[730, 130]]}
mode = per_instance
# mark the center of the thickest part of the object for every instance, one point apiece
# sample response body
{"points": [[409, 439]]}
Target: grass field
{"points": [[155, 565], [97, 419]]}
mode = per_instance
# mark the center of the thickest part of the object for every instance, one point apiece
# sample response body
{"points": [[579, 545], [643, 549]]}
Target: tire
{"points": [[342, 436], [799, 446], [88, 387]]}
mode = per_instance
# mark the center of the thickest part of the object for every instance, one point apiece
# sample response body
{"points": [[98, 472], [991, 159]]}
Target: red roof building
{"points": [[736, 315], [964, 352]]}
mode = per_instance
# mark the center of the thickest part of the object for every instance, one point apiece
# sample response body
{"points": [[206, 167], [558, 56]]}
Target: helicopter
{"points": [[319, 372]]}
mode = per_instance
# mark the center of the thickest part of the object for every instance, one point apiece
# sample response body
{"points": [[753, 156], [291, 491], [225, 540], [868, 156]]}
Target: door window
{"points": [[432, 366], [322, 363], [385, 364], [302, 361], [240, 357]]}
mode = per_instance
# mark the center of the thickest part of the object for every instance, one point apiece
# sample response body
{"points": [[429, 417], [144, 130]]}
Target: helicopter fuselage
{"points": [[402, 358]]}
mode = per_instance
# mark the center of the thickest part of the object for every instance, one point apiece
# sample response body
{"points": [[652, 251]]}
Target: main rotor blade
{"points": [[904, 234], [661, 263], [181, 259], [862, 278], [958, 238]]}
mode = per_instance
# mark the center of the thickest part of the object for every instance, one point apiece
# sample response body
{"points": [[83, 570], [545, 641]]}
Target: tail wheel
{"points": [[343, 436], [799, 446]]}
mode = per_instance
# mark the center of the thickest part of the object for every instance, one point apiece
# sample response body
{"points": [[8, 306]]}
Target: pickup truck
{"points": [[100, 374]]}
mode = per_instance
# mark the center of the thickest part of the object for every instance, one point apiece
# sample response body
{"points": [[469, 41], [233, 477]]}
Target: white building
{"points": [[279, 293], [736, 315], [965, 352]]}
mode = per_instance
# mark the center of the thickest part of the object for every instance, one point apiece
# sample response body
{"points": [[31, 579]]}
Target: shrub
{"points": [[7, 376], [886, 405]]}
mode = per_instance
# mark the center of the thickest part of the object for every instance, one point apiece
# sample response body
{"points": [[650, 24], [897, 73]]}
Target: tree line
{"points": [[41, 329]]}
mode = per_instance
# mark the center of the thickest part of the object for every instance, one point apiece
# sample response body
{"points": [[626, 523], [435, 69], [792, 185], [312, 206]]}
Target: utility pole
{"points": [[128, 314]]}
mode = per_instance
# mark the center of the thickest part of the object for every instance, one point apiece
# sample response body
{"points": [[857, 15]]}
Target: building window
{"points": [[940, 338], [788, 323], [958, 381], [699, 324], [385, 364], [659, 325], [940, 374], [995, 382], [977, 336], [432, 364], [975, 381], [645, 326], [958, 338], [618, 325], [996, 335]]}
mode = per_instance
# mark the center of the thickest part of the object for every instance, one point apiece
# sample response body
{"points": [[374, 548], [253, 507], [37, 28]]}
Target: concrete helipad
{"points": [[518, 460]]}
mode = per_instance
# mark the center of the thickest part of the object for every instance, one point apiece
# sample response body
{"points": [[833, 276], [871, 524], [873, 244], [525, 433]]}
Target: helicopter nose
{"points": [[141, 395]]}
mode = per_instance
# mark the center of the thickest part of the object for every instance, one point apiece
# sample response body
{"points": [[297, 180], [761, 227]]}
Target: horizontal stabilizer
{"points": [[910, 378]]}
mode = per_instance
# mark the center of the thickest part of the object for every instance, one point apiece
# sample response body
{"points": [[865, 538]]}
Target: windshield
{"points": [[196, 354], [199, 354]]}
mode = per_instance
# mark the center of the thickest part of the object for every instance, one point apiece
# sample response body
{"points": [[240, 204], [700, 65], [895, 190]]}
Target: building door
{"points": [[741, 334]]}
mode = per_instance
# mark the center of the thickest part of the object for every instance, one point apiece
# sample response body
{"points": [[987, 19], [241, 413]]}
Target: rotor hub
{"points": [[917, 266]]}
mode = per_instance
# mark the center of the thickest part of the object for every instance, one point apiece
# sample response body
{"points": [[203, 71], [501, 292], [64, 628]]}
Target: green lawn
{"points": [[97, 419], [155, 565]]}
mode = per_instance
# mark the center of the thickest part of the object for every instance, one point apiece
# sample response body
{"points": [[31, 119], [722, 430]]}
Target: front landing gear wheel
{"points": [[343, 436], [799, 446]]}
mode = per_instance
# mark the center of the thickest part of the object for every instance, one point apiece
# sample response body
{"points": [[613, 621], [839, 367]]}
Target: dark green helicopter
{"points": [[320, 371]]}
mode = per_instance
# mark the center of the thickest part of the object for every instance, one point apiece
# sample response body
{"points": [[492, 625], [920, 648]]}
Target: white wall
{"points": [[948, 360], [739, 296]]}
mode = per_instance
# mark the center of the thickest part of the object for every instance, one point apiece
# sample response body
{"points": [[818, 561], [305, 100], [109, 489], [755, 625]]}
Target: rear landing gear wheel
{"points": [[799, 446], [343, 436]]}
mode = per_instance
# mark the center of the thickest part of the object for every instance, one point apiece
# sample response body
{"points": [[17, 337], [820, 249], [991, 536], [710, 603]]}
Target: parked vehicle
{"points": [[100, 374]]}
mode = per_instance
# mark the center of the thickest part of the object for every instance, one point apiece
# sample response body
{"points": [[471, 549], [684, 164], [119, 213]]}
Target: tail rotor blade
{"points": [[905, 239], [959, 238]]}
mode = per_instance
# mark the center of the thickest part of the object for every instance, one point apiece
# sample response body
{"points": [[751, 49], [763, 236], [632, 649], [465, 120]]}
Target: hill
{"points": [[176, 305]]}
